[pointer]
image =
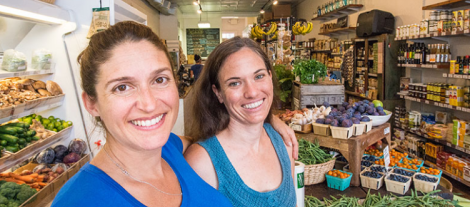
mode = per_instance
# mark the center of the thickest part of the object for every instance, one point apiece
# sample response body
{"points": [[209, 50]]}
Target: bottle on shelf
{"points": [[438, 53], [423, 54], [459, 65], [428, 54], [432, 57], [418, 54], [465, 65]]}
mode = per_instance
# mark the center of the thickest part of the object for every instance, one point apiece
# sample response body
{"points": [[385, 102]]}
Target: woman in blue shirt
{"points": [[129, 87], [239, 152]]}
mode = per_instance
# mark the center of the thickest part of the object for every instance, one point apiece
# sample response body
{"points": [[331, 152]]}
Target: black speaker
{"points": [[374, 22]]}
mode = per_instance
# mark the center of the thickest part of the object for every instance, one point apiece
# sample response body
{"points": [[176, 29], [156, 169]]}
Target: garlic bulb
{"points": [[327, 111], [322, 108]]}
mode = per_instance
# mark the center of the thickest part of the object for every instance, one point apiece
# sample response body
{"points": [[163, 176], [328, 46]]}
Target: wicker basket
{"points": [[315, 174]]}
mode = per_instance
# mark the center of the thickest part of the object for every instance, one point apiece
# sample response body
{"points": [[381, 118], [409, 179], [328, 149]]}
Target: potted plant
{"points": [[285, 78], [309, 71]]}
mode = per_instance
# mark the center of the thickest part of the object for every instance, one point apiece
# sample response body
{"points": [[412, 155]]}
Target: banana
{"points": [[272, 29], [259, 30], [311, 27], [274, 36]]}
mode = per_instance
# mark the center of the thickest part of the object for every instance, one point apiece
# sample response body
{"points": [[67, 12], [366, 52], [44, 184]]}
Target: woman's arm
{"points": [[186, 142], [198, 158], [287, 134]]}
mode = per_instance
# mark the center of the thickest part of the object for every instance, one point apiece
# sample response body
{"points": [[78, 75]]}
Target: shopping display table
{"points": [[321, 191], [354, 147]]}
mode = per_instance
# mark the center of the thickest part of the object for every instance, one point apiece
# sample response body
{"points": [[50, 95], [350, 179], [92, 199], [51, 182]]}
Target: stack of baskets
{"points": [[315, 174]]}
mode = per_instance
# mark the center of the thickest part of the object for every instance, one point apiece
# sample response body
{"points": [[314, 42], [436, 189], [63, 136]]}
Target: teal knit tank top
{"points": [[232, 186]]}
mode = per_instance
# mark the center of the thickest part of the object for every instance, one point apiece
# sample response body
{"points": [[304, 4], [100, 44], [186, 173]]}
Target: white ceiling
{"points": [[230, 6]]}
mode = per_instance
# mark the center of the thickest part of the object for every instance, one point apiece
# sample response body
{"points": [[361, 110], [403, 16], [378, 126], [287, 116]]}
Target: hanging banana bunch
{"points": [[275, 35], [272, 29], [300, 28]]}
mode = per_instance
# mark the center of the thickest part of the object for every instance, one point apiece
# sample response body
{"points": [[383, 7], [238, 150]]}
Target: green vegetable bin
{"points": [[338, 183]]}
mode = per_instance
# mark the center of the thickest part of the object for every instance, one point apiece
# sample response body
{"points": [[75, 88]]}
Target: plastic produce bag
{"points": [[13, 61], [41, 59]]}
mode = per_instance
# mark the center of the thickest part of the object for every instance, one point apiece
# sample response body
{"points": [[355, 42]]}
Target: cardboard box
{"points": [[281, 11], [267, 16]]}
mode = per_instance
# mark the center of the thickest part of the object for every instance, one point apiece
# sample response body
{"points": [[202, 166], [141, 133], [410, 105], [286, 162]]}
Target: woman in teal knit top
{"points": [[239, 153]]}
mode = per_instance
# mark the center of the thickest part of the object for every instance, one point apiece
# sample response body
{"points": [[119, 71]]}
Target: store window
{"points": [[226, 36]]}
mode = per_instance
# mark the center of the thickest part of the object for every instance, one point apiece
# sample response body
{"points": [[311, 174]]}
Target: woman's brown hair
{"points": [[100, 49], [208, 115]]}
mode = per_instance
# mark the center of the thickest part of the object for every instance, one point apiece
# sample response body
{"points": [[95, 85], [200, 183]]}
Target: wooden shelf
{"points": [[357, 95], [372, 74], [435, 66], [338, 31], [457, 76], [448, 173], [339, 12], [12, 159], [336, 54], [438, 104], [435, 34], [322, 51], [30, 107], [450, 4], [440, 141]]}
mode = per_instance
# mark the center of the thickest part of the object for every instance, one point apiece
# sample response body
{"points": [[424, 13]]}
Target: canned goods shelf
{"points": [[440, 141], [339, 12], [458, 76], [447, 173], [435, 34], [450, 4], [338, 31], [435, 103]]}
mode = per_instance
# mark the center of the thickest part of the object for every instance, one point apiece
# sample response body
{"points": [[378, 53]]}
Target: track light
{"points": [[199, 11], [275, 2], [261, 11], [195, 3]]}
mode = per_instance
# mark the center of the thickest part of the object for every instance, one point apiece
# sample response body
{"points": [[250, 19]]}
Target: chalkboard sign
{"points": [[202, 41]]}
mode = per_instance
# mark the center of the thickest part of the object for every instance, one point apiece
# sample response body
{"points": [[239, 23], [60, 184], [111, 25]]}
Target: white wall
{"points": [[229, 26], [169, 27]]}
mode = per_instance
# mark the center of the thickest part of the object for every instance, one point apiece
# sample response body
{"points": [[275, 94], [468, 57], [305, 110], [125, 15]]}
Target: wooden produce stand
{"points": [[354, 147], [305, 95]]}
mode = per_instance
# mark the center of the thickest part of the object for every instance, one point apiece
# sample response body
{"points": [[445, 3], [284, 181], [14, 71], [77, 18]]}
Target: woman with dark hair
{"points": [[238, 152], [129, 87]]}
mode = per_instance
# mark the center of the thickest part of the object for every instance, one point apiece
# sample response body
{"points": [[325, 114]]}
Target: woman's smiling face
{"points": [[137, 98], [246, 87]]}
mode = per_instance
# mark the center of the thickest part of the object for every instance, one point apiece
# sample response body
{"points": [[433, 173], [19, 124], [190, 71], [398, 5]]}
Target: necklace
{"points": [[140, 181]]}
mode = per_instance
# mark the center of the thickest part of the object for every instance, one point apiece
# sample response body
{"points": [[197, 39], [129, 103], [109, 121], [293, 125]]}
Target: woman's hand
{"points": [[288, 135]]}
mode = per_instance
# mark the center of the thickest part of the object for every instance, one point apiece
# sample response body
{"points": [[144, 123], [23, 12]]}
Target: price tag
{"points": [[401, 96], [441, 105], [451, 75], [444, 75], [453, 33], [386, 156], [426, 136], [296, 127], [465, 76], [426, 101], [436, 104], [460, 148], [459, 108], [386, 130], [450, 106], [449, 144], [435, 34], [467, 151]]}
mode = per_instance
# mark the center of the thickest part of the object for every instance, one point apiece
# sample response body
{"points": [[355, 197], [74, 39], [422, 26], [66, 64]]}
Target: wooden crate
{"points": [[309, 94]]}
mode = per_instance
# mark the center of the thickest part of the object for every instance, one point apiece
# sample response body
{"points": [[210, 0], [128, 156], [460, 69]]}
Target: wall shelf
{"points": [[448, 173], [357, 95], [339, 12], [436, 34], [338, 31], [438, 104], [435, 66], [450, 4]]}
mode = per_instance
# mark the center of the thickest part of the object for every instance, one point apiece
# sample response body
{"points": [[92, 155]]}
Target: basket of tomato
{"points": [[338, 179]]}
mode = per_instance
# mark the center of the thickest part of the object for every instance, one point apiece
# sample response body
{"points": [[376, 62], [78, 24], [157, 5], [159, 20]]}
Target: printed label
{"points": [[300, 180]]}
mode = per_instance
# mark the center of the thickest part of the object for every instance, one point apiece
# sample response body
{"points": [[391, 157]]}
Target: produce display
{"points": [[309, 71], [366, 163], [430, 171], [369, 158], [300, 28], [13, 194], [50, 123], [374, 152], [258, 32], [410, 164], [338, 173], [398, 178], [16, 136], [372, 174], [426, 178], [403, 172], [16, 90], [377, 200], [312, 154]]}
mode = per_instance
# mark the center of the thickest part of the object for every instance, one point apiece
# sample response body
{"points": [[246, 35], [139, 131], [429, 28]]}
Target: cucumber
{"points": [[9, 138], [3, 143], [21, 135], [28, 139], [11, 148], [19, 130], [35, 138], [8, 130], [21, 146], [17, 124], [21, 141]]}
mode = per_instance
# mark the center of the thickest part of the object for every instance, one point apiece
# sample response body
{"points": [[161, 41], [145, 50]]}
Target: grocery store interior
{"points": [[377, 93]]}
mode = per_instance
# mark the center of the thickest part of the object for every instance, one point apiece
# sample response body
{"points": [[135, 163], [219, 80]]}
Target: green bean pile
{"points": [[427, 200], [311, 153]]}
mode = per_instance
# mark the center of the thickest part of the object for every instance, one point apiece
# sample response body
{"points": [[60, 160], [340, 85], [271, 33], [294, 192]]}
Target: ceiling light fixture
{"points": [[261, 11], [199, 11], [196, 3], [29, 15], [275, 2], [203, 24]]}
